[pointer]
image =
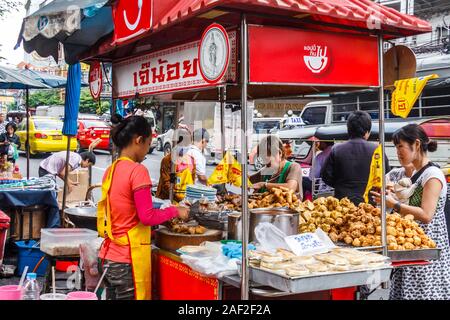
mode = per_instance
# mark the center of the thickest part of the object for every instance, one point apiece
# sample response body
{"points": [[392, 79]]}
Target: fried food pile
{"points": [[360, 226], [339, 259], [178, 226], [403, 233], [275, 198], [231, 202]]}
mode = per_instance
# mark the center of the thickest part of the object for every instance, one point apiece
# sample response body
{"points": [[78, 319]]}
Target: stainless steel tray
{"points": [[414, 255], [319, 282]]}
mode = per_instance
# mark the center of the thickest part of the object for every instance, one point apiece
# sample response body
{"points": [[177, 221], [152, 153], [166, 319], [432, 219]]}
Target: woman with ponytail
{"points": [[426, 205], [125, 214]]}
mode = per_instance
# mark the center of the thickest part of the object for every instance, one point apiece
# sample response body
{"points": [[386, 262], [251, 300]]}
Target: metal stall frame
{"points": [[244, 82]]}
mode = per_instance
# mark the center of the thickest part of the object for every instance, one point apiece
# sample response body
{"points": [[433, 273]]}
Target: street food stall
{"points": [[235, 51]]}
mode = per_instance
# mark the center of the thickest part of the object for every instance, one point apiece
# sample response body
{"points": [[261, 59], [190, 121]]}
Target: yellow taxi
{"points": [[45, 135]]}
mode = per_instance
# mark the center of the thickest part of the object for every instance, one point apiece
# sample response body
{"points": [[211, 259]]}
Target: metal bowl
{"points": [[83, 217]]}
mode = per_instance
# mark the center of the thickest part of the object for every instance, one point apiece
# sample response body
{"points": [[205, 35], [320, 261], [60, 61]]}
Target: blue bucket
{"points": [[29, 255]]}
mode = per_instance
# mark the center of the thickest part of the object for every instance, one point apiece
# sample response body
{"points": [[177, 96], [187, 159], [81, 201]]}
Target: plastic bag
{"points": [[89, 261], [269, 237], [213, 265]]}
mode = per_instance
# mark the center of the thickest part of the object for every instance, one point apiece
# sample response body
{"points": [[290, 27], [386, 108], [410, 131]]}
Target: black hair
{"points": [[87, 155], [201, 134], [358, 124], [412, 132], [11, 124], [116, 118], [128, 128], [269, 146]]}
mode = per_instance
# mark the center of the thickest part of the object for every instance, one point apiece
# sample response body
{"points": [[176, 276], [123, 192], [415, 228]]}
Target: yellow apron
{"points": [[138, 238]]}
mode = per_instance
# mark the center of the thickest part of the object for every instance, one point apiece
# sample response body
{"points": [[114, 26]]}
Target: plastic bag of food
{"points": [[89, 261], [269, 237]]}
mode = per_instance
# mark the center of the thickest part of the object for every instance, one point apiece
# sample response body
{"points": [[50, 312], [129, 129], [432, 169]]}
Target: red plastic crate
{"points": [[62, 266]]}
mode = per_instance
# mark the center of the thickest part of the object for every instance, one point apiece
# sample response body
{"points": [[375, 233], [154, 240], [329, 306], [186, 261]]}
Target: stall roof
{"points": [[357, 13], [177, 20]]}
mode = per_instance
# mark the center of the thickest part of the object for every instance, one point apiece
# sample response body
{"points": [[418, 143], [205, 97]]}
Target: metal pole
{"points": [[382, 142], [245, 215], [223, 98], [173, 156], [27, 141], [66, 178]]}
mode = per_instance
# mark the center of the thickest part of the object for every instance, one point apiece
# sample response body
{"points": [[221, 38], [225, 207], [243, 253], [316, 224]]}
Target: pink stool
{"points": [[11, 292]]}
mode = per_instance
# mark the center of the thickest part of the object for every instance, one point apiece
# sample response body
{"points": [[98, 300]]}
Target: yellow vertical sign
{"points": [[376, 173], [406, 93]]}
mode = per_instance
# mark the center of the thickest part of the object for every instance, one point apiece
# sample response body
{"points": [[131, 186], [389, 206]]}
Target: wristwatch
{"points": [[265, 184], [397, 206]]}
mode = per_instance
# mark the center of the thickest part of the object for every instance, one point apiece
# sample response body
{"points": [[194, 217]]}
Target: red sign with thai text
{"points": [[96, 79], [167, 70], [290, 56], [131, 18]]}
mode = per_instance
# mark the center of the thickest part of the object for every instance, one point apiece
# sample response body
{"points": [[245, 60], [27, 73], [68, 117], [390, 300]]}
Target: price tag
{"points": [[307, 244]]}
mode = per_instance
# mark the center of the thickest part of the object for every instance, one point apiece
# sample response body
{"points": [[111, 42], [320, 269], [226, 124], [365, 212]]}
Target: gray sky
{"points": [[10, 27]]}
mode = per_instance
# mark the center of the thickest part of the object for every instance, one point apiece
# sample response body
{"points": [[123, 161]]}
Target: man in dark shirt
{"points": [[347, 168]]}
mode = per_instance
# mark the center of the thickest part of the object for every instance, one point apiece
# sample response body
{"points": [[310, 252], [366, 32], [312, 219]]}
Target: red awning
{"points": [[325, 15], [356, 13]]}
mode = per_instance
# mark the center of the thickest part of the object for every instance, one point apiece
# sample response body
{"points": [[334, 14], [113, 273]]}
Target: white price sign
{"points": [[309, 243]]}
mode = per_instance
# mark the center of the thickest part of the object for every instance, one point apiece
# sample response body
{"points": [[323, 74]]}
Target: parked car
{"points": [[45, 135], [90, 130]]}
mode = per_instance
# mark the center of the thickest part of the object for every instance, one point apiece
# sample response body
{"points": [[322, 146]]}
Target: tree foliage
{"points": [[7, 6], [45, 98], [54, 97]]}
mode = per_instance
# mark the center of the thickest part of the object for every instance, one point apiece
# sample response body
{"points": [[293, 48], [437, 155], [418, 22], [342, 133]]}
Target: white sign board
{"points": [[167, 70]]}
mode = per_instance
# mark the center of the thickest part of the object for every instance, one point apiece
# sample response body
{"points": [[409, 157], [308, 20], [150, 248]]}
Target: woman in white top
{"points": [[426, 204]]}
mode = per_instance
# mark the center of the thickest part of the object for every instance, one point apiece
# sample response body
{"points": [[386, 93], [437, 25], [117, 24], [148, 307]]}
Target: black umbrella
{"points": [[14, 79], [50, 80]]}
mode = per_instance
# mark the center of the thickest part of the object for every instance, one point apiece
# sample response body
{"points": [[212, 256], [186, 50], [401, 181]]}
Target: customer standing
{"points": [[430, 282], [197, 151], [126, 213], [10, 139], [347, 168]]}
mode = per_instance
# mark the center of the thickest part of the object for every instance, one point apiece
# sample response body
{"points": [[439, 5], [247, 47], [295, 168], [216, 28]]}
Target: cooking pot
{"points": [[234, 226], [83, 216], [285, 219]]}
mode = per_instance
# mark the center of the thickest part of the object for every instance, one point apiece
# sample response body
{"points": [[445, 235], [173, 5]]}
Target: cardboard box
{"points": [[79, 192]]}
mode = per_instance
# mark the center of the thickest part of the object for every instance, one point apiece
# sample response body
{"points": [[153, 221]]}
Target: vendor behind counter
{"points": [[278, 171]]}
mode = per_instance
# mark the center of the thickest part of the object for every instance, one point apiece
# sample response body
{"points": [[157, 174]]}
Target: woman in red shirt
{"points": [[125, 214]]}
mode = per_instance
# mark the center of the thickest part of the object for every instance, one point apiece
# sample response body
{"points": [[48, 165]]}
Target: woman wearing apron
{"points": [[125, 214], [277, 172]]}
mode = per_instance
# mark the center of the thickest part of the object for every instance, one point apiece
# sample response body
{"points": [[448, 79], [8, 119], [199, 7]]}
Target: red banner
{"points": [[290, 56], [131, 18]]}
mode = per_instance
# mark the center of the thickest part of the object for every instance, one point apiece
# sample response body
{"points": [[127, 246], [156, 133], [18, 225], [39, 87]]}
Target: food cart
{"points": [[227, 51]]}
